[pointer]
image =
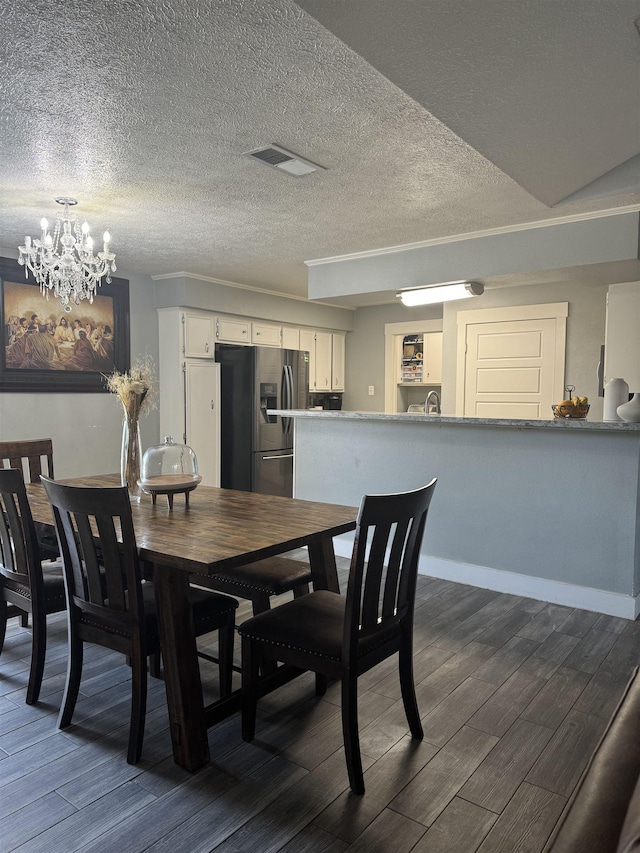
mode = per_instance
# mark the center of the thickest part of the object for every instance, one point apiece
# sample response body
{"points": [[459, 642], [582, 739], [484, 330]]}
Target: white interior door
{"points": [[513, 368]]}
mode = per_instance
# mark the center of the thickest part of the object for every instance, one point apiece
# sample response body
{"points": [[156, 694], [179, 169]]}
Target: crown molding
{"points": [[474, 235]]}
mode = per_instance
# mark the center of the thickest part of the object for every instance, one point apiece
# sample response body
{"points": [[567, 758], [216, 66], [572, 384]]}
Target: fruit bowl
{"points": [[578, 412]]}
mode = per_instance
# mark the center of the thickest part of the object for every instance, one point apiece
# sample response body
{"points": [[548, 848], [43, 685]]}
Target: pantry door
{"points": [[512, 364]]}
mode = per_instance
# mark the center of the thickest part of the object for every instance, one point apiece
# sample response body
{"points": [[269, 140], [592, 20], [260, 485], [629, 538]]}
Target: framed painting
{"points": [[48, 347]]}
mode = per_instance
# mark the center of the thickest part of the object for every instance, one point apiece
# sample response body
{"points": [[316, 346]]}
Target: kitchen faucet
{"points": [[432, 408]]}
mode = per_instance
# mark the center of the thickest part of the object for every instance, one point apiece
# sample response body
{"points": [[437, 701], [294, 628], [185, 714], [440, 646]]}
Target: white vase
{"points": [[630, 412], [616, 392]]}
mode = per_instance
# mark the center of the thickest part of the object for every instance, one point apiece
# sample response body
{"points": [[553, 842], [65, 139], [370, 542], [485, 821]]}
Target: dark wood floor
{"points": [[514, 694]]}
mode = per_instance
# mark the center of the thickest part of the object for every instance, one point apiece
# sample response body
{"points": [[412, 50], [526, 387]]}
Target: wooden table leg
{"points": [[181, 673], [322, 560]]}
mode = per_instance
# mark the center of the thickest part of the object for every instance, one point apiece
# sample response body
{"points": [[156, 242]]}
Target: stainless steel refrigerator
{"points": [[257, 448]]}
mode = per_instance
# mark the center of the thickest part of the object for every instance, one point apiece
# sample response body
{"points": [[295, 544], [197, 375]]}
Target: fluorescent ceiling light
{"points": [[441, 293]]}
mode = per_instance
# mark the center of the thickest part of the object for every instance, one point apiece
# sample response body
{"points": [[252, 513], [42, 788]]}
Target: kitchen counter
{"points": [[544, 509], [413, 417]]}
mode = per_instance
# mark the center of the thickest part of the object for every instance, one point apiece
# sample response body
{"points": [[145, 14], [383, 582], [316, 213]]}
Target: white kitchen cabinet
{"points": [[291, 338], [202, 417], [232, 331], [198, 336], [266, 335], [432, 365], [337, 362], [189, 394], [622, 341], [320, 346], [323, 361], [308, 343]]}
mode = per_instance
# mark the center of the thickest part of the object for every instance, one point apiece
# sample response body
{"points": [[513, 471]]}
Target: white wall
{"points": [[86, 429]]}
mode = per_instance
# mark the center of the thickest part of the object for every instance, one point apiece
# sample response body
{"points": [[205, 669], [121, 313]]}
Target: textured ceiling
{"points": [[142, 111]]}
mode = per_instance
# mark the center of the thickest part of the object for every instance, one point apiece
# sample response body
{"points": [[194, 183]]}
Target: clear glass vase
{"points": [[130, 458]]}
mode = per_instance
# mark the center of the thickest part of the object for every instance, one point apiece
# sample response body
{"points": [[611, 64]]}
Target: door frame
{"points": [[558, 311]]}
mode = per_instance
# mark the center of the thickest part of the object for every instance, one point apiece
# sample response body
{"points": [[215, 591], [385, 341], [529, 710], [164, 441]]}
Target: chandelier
{"points": [[64, 261]]}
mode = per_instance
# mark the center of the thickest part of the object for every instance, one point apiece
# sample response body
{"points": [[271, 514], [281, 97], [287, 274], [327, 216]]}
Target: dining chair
{"points": [[259, 581], [109, 604], [27, 585], [33, 457], [341, 637]]}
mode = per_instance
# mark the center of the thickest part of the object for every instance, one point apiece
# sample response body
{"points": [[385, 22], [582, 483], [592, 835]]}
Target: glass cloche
{"points": [[168, 468]]}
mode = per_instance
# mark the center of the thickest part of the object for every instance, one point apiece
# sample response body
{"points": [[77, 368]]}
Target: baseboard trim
{"points": [[555, 592]]}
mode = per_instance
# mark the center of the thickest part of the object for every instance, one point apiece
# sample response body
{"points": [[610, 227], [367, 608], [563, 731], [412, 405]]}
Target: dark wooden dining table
{"points": [[219, 529]]}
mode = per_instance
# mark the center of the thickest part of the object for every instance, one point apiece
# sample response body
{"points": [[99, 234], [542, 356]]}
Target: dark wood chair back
{"points": [[28, 456], [384, 566], [25, 586], [19, 554], [103, 575]]}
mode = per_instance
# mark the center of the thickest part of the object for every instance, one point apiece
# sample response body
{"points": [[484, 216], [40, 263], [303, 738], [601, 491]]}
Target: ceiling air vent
{"points": [[285, 161]]}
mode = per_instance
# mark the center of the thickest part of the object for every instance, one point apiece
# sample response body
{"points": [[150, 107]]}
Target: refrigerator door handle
{"points": [[281, 456], [287, 396]]}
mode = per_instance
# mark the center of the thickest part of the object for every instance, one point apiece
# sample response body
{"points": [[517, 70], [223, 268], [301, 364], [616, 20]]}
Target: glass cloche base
{"points": [[169, 469]]}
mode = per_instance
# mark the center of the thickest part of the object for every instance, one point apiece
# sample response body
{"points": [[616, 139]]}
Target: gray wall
{"points": [[556, 503], [585, 334], [608, 240], [364, 354], [86, 428], [186, 292]]}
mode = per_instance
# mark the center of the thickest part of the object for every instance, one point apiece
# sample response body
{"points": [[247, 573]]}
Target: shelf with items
{"points": [[412, 362]]}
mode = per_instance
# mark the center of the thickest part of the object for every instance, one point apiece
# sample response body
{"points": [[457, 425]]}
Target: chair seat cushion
{"points": [[210, 611], [52, 576], [273, 576], [313, 623]]}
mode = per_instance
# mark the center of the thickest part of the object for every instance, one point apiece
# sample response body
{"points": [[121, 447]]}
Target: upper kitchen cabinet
{"points": [[337, 362], [622, 341], [232, 331], [323, 367], [432, 370], [291, 338], [266, 335], [199, 336], [189, 395], [322, 359]]}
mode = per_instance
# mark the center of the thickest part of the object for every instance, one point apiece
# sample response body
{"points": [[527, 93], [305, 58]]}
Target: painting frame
{"points": [[20, 379]]}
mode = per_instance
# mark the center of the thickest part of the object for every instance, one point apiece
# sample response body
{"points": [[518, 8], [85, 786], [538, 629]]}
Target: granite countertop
{"points": [[410, 417]]}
